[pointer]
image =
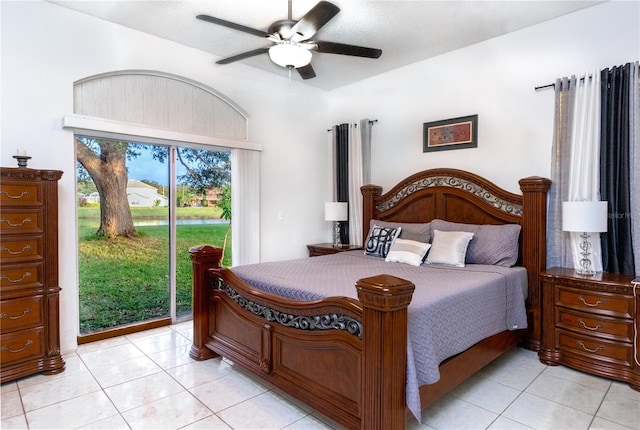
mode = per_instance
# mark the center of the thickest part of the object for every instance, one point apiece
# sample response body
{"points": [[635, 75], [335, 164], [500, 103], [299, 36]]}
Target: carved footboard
{"points": [[346, 358]]}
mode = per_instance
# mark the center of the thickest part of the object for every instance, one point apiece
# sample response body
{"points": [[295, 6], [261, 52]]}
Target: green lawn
{"points": [[127, 280]]}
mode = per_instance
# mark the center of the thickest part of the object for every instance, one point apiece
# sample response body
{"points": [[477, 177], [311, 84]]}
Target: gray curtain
{"points": [[365, 136], [558, 244]]}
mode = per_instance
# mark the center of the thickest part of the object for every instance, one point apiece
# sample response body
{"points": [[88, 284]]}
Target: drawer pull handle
{"points": [[24, 221], [26, 344], [15, 281], [22, 194], [6, 315], [599, 326], [24, 248], [593, 305], [599, 348]]}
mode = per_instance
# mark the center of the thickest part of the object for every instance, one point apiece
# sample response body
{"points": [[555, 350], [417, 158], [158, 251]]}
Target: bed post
{"points": [[204, 257], [384, 300], [534, 250], [369, 194]]}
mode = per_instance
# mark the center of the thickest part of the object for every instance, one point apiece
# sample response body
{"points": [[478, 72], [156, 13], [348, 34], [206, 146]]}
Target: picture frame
{"points": [[453, 133]]}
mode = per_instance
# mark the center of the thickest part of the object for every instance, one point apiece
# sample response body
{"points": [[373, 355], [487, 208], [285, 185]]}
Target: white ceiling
{"points": [[406, 31]]}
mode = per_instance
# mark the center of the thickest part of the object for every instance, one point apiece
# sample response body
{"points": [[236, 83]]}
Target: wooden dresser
{"points": [[29, 290], [591, 323]]}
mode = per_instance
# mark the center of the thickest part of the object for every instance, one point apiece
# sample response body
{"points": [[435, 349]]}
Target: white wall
{"points": [[494, 79], [45, 48]]}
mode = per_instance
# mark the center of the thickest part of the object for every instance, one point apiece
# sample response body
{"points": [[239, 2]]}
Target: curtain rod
{"points": [[371, 122], [544, 87]]}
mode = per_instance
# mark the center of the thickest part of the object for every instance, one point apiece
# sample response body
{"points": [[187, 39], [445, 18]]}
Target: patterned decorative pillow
{"points": [[420, 232], [380, 240], [449, 247], [407, 251], [492, 244]]}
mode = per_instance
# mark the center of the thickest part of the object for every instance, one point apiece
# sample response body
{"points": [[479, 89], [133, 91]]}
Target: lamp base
{"points": [[336, 235], [586, 268]]}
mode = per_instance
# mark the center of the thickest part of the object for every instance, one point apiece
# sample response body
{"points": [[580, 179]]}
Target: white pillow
{"points": [[449, 247], [407, 251]]}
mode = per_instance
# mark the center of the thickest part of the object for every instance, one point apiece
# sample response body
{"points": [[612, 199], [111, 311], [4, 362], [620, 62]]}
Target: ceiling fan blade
{"points": [[306, 72], [313, 20], [343, 49], [244, 55], [233, 25]]}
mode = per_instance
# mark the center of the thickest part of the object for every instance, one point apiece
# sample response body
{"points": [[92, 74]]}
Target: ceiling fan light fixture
{"points": [[289, 54]]}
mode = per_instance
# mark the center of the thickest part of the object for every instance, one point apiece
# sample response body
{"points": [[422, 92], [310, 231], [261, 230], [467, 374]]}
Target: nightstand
{"points": [[328, 248], [591, 323]]}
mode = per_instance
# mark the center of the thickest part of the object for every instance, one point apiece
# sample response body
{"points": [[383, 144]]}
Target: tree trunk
{"points": [[109, 172]]}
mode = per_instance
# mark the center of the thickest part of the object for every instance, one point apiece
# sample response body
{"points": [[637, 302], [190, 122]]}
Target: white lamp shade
{"points": [[336, 211], [289, 55], [587, 217]]}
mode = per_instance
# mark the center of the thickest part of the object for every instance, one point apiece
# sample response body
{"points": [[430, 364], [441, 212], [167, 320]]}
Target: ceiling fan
{"points": [[292, 44]]}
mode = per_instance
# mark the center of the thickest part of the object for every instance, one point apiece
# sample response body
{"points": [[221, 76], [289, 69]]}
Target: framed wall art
{"points": [[454, 133]]}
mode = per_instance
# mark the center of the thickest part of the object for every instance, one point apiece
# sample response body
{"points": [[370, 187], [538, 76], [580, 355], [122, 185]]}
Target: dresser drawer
{"points": [[24, 193], [615, 305], [19, 276], [20, 249], [21, 345], [616, 329], [591, 348], [18, 314], [21, 221]]}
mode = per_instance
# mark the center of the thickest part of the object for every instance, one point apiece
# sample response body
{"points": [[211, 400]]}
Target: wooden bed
{"points": [[358, 380]]}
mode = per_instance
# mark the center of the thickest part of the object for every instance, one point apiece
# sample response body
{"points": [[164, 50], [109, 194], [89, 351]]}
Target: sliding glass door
{"points": [[140, 208]]}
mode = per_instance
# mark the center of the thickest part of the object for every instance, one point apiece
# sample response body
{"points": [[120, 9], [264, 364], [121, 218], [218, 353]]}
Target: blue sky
{"points": [[145, 167]]}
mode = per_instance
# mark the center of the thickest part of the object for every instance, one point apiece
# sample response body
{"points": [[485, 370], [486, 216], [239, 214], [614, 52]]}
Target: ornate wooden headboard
{"points": [[459, 196]]}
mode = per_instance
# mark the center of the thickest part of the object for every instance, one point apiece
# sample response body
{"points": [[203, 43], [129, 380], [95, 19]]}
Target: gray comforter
{"points": [[452, 307]]}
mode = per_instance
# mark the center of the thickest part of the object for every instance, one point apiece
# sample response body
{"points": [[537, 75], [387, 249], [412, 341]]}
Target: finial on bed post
{"points": [[204, 257], [534, 249], [369, 194], [384, 300]]}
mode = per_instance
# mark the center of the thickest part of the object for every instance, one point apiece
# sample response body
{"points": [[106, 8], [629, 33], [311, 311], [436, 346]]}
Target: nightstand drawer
{"points": [[21, 345], [614, 305], [593, 325], [20, 249], [620, 354], [21, 194], [21, 221], [17, 314]]}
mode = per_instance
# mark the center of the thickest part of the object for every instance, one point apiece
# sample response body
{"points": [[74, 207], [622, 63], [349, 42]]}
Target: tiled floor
{"points": [[147, 380]]}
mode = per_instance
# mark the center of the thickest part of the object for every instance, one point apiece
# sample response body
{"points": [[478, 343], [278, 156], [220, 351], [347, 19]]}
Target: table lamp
{"points": [[336, 212], [585, 217]]}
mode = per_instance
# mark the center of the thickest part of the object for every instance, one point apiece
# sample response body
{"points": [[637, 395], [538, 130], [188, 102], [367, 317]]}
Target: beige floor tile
{"points": [[200, 372], [115, 422], [123, 371], [487, 394], [97, 360], [132, 394], [309, 422], [268, 411], [568, 393], [452, 413], [602, 424], [162, 342], [17, 422], [231, 389], [172, 357], [212, 422], [540, 413], [73, 413], [99, 345], [9, 386], [11, 404], [623, 389], [57, 390], [620, 410], [509, 374], [171, 412], [578, 377], [504, 423]]}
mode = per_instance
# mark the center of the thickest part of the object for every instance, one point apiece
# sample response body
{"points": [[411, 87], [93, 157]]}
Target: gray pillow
{"points": [[492, 244], [420, 232]]}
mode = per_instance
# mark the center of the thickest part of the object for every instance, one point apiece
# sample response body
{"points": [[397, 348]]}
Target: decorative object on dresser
{"points": [[336, 212], [591, 323], [318, 249], [29, 291], [585, 217]]}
